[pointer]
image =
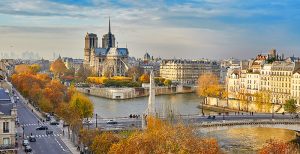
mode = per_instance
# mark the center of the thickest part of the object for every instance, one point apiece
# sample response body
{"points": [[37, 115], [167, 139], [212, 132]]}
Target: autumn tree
{"points": [[35, 68], [55, 92], [168, 83], [278, 147], [103, 142], [45, 105], [208, 86], [160, 137], [23, 68], [87, 136], [263, 101], [58, 67], [82, 105], [244, 99], [145, 78], [290, 106]]}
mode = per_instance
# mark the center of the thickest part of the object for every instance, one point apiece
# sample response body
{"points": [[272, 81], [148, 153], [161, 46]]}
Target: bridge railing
{"points": [[249, 121]]}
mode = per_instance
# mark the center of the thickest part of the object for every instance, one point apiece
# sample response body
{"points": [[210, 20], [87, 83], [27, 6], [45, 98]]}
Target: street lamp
{"points": [[96, 120], [202, 107]]}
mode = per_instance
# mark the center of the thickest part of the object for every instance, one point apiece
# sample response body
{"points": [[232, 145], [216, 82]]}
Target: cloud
{"points": [[185, 28]]}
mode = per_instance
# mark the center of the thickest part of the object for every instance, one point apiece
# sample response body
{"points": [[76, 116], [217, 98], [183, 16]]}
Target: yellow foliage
{"points": [[97, 80], [208, 85], [160, 137], [123, 78], [82, 104], [145, 78]]}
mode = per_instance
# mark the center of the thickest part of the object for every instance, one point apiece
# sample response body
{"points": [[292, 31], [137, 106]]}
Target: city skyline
{"points": [[212, 29]]}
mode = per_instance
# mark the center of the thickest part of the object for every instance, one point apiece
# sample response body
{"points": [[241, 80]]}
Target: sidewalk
{"points": [[39, 115]]}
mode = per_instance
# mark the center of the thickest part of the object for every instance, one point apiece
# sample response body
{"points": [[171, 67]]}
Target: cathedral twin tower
{"points": [[107, 60]]}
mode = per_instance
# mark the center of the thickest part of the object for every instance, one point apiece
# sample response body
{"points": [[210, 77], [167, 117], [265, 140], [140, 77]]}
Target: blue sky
{"points": [[167, 28]]}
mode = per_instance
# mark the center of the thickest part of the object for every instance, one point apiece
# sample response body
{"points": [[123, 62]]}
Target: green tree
{"points": [[290, 106]]}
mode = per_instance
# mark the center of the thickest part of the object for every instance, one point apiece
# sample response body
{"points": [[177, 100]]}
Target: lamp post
{"points": [[202, 107], [96, 119]]}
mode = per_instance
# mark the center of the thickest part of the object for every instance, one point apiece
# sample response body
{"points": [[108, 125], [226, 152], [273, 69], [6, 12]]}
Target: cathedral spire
{"points": [[109, 30]]}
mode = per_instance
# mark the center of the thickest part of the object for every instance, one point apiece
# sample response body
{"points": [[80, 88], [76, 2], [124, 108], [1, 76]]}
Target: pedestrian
{"points": [[63, 132]]}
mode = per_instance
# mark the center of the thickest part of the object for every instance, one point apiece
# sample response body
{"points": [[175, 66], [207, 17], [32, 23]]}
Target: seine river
{"points": [[246, 140]]}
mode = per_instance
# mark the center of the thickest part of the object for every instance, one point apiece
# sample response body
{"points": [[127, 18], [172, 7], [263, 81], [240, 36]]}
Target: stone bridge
{"points": [[291, 124]]}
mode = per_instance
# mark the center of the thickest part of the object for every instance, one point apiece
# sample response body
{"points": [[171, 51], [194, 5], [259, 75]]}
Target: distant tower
{"points": [[91, 41], [108, 40]]}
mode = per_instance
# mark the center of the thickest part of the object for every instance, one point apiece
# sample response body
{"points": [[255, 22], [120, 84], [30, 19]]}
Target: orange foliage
{"points": [[55, 92], [278, 147], [208, 85], [24, 68], [103, 142], [163, 138], [58, 67]]}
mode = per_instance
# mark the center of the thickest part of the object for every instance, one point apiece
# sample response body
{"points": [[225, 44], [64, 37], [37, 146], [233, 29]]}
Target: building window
{"points": [[6, 141], [5, 127]]}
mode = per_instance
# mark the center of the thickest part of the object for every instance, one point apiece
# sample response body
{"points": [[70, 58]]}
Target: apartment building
{"points": [[8, 115], [187, 71]]}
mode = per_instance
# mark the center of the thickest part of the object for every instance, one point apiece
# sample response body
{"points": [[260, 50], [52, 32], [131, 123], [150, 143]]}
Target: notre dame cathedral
{"points": [[107, 60]]}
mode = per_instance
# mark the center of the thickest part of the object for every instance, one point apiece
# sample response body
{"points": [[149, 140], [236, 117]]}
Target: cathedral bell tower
{"points": [[91, 41]]}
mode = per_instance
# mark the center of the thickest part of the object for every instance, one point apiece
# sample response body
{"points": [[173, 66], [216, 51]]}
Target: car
{"points": [[54, 123], [42, 128], [32, 138], [49, 132], [111, 122], [25, 142], [48, 118], [18, 98], [28, 148], [87, 122]]}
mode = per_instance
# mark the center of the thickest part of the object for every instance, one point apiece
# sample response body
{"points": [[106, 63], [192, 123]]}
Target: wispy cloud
{"points": [[217, 26]]}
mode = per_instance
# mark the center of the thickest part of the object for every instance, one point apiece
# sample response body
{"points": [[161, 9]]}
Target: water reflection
{"points": [[179, 103], [249, 140]]}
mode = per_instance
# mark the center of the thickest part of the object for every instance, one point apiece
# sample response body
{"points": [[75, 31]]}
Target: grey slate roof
{"points": [[5, 103]]}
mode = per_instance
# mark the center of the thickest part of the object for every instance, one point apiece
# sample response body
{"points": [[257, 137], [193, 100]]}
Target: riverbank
{"points": [[129, 93], [217, 108]]}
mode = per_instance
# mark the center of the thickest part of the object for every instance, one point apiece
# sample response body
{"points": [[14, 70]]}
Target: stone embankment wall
{"points": [[127, 93], [243, 106]]}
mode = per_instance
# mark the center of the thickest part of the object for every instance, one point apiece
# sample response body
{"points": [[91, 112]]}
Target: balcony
{"points": [[5, 147]]}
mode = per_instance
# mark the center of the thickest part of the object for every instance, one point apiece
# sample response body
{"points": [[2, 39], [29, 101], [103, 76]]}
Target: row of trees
{"points": [[53, 97]]}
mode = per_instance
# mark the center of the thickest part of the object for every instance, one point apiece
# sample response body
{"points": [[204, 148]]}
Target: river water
{"points": [[244, 140]]}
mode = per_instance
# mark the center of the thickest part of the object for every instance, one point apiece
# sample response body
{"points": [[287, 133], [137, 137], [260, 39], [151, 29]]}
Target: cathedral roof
{"points": [[100, 51], [117, 52]]}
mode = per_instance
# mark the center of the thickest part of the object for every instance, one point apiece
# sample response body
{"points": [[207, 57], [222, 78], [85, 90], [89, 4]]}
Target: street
{"points": [[45, 144]]}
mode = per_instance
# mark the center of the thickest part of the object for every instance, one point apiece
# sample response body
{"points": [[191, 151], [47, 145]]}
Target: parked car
{"points": [[54, 123], [42, 128], [112, 122], [18, 98], [25, 142], [32, 138], [28, 148], [49, 132]]}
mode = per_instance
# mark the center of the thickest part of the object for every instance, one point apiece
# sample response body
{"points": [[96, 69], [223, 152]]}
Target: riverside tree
{"points": [[208, 86], [290, 106]]}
